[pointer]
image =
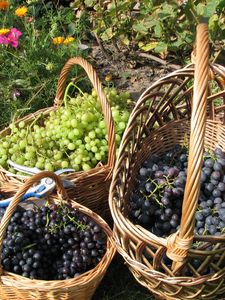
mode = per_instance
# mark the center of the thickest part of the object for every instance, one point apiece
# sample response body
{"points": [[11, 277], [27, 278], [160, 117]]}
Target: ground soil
{"points": [[132, 74]]}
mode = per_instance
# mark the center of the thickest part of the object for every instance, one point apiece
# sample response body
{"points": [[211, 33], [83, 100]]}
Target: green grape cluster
{"points": [[74, 135]]}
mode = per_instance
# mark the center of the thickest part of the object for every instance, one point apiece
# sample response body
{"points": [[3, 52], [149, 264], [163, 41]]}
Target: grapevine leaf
{"points": [[147, 47], [89, 3], [161, 47], [107, 34], [139, 27]]}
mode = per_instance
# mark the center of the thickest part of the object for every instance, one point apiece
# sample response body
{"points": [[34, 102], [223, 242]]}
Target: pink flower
{"points": [[3, 39], [11, 38]]}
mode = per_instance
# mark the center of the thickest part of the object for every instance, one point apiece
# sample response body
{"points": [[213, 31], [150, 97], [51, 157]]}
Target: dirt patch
{"points": [[134, 75]]}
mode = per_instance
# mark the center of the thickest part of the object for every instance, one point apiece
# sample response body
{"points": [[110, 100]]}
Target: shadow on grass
{"points": [[120, 284]]}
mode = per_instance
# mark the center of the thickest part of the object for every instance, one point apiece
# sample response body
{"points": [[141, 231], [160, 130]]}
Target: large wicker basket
{"points": [[13, 286], [172, 111], [92, 187]]}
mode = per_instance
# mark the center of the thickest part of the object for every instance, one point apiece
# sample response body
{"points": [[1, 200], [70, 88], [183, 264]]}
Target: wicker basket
{"points": [[165, 115], [92, 187], [13, 286]]}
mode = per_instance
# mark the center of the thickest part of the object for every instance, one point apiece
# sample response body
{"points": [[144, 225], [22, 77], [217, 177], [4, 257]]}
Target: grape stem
{"points": [[67, 90]]}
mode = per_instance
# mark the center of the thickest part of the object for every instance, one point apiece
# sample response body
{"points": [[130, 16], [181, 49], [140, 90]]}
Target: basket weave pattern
{"points": [[16, 287], [173, 111], [92, 187]]}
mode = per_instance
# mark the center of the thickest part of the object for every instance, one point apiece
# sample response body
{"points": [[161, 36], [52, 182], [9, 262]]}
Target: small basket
{"points": [[13, 286], [92, 187], [173, 111]]}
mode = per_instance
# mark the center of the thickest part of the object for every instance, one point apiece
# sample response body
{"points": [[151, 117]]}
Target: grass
{"points": [[119, 284]]}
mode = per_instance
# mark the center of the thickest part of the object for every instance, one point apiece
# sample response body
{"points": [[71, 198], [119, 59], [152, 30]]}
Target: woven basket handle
{"points": [[180, 243], [101, 96], [14, 203]]}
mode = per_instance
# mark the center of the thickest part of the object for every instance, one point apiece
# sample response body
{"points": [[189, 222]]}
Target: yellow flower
{"points": [[4, 31], [21, 11], [58, 40], [4, 5], [68, 40]]}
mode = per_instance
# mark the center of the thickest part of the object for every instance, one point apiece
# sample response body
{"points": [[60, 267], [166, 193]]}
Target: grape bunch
{"points": [[156, 202], [52, 243], [74, 135]]}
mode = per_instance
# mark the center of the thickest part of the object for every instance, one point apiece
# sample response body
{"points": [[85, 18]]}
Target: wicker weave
{"points": [[16, 287], [173, 111], [92, 187]]}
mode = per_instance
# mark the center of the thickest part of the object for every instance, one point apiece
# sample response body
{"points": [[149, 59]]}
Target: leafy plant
{"points": [[158, 26], [29, 71]]}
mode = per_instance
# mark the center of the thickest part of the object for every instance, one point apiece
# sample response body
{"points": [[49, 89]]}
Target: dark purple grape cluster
{"points": [[156, 202], [52, 243]]}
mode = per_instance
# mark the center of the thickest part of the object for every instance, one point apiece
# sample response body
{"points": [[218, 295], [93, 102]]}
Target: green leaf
{"points": [[139, 27], [125, 75], [211, 8], [107, 34], [147, 47], [89, 3], [125, 41], [207, 10], [158, 30], [150, 22], [161, 47], [167, 11], [72, 28], [213, 22]]}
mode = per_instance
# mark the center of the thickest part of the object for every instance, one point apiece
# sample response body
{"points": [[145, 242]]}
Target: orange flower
{"points": [[21, 11], [108, 77], [4, 5], [58, 40], [68, 40]]}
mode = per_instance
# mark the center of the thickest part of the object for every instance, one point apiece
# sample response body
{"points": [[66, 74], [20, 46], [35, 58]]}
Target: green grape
{"points": [[122, 125], [98, 156], [92, 134], [72, 136], [71, 146], [88, 146], [87, 139], [49, 166], [64, 164], [86, 167], [78, 142], [77, 160], [58, 155], [102, 124], [5, 144]]}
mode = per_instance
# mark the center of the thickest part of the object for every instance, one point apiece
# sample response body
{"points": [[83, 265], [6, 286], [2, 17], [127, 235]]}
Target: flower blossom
{"points": [[68, 40], [21, 11], [4, 5], [58, 40], [11, 37], [4, 31]]}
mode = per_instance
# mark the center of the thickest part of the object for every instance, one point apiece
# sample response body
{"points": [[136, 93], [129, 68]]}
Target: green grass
{"points": [[120, 284]]}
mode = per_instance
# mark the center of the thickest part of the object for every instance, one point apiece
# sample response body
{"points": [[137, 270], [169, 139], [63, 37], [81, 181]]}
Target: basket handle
{"points": [[14, 203], [101, 96], [180, 242]]}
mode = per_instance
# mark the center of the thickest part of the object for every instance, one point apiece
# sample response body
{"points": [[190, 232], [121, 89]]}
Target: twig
{"points": [[216, 56], [159, 60], [102, 47]]}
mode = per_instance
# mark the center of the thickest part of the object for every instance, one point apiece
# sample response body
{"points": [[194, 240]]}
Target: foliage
{"points": [[29, 70], [158, 26]]}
